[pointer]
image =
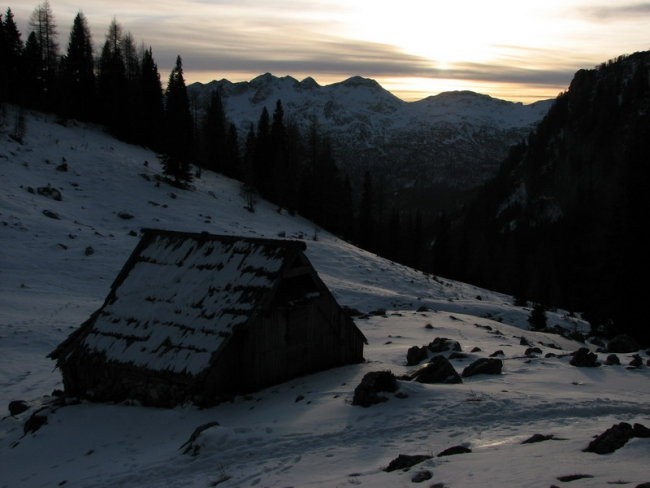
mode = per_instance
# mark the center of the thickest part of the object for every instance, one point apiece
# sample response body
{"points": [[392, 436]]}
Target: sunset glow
{"points": [[521, 51]]}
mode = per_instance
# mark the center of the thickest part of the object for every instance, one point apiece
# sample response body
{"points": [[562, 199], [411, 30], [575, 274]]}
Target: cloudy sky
{"points": [[520, 50]]}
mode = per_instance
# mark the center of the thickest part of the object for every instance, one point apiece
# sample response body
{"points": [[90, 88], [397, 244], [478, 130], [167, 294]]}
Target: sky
{"points": [[510, 49]]}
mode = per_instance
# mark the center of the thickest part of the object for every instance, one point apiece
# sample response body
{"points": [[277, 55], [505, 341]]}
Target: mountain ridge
{"points": [[453, 139]]}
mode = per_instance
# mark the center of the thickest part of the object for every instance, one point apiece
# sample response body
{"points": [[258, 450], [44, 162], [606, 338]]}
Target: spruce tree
{"points": [[3, 63], [233, 160], [78, 72], [112, 83], [279, 174], [32, 72], [262, 157], [11, 49], [152, 110], [178, 127], [214, 135], [133, 94], [249, 178], [367, 214]]}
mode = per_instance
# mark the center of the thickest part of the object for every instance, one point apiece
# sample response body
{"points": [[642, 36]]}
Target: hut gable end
{"points": [[188, 310], [180, 296]]}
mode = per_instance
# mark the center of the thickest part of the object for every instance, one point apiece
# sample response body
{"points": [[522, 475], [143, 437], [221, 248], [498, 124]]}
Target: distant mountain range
{"points": [[454, 139]]}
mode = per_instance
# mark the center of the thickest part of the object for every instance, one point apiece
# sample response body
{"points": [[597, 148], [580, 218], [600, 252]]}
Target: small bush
{"points": [[537, 318]]}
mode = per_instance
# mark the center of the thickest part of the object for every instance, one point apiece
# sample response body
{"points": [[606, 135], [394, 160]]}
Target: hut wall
{"points": [[90, 376], [288, 342]]}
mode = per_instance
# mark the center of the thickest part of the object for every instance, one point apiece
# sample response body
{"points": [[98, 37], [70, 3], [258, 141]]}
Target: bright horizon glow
{"points": [[519, 51]]}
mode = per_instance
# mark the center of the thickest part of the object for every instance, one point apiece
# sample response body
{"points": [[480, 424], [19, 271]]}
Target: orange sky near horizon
{"points": [[519, 51]]}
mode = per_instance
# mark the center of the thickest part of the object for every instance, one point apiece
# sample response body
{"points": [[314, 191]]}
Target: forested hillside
{"points": [[563, 222]]}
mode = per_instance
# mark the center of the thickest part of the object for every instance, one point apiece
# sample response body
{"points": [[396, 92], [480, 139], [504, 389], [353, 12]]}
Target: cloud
{"points": [[630, 11]]}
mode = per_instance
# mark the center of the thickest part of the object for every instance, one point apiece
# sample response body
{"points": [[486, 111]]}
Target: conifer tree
{"points": [[44, 27], [248, 170], [367, 214], [393, 241], [32, 72], [11, 48], [78, 72], [279, 174], [214, 135], [233, 160], [178, 126], [262, 156], [133, 89], [111, 81], [152, 110]]}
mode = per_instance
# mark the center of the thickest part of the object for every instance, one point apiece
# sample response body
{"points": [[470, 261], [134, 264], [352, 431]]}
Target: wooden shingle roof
{"points": [[180, 295]]}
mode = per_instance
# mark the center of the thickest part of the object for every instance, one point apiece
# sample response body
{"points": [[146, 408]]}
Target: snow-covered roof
{"points": [[181, 295]]}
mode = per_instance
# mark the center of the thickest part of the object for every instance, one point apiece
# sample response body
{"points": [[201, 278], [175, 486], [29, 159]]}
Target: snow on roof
{"points": [[181, 295]]}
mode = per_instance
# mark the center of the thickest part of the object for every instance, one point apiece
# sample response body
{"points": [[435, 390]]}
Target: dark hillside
{"points": [[563, 223]]}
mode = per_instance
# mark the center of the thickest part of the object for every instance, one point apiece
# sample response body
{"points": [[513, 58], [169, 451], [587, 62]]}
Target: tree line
{"points": [[293, 167]]}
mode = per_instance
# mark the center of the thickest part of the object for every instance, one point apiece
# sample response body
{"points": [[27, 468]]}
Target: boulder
{"points": [[483, 366], [612, 439], [533, 351], [442, 344], [584, 358], [458, 355], [366, 393], [415, 355], [612, 360], [497, 353], [438, 370], [17, 407], [622, 344], [637, 361], [537, 438], [34, 422], [454, 450], [421, 476], [49, 192], [641, 431], [405, 461], [50, 214]]}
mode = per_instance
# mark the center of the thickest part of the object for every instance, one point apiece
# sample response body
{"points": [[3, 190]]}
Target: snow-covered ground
{"points": [[54, 272]]}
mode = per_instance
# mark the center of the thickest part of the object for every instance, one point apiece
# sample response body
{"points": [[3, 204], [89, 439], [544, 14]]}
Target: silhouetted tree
{"points": [[537, 318], [44, 27], [11, 48], [112, 83], [248, 188], [178, 126], [214, 135], [262, 156], [78, 72], [367, 214], [32, 88], [152, 110], [233, 160]]}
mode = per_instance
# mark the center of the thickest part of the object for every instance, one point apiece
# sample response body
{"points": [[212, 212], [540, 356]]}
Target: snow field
{"points": [[304, 432]]}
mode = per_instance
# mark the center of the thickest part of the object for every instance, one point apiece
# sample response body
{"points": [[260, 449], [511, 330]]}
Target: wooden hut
{"points": [[201, 317]]}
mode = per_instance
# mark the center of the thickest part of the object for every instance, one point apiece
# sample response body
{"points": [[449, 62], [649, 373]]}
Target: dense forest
{"points": [[563, 222], [293, 167]]}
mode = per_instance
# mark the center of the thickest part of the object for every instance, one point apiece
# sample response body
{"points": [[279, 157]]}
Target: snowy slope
{"points": [[55, 272], [454, 138]]}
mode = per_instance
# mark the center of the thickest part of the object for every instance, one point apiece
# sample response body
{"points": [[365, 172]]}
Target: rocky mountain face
{"points": [[563, 223], [455, 139]]}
